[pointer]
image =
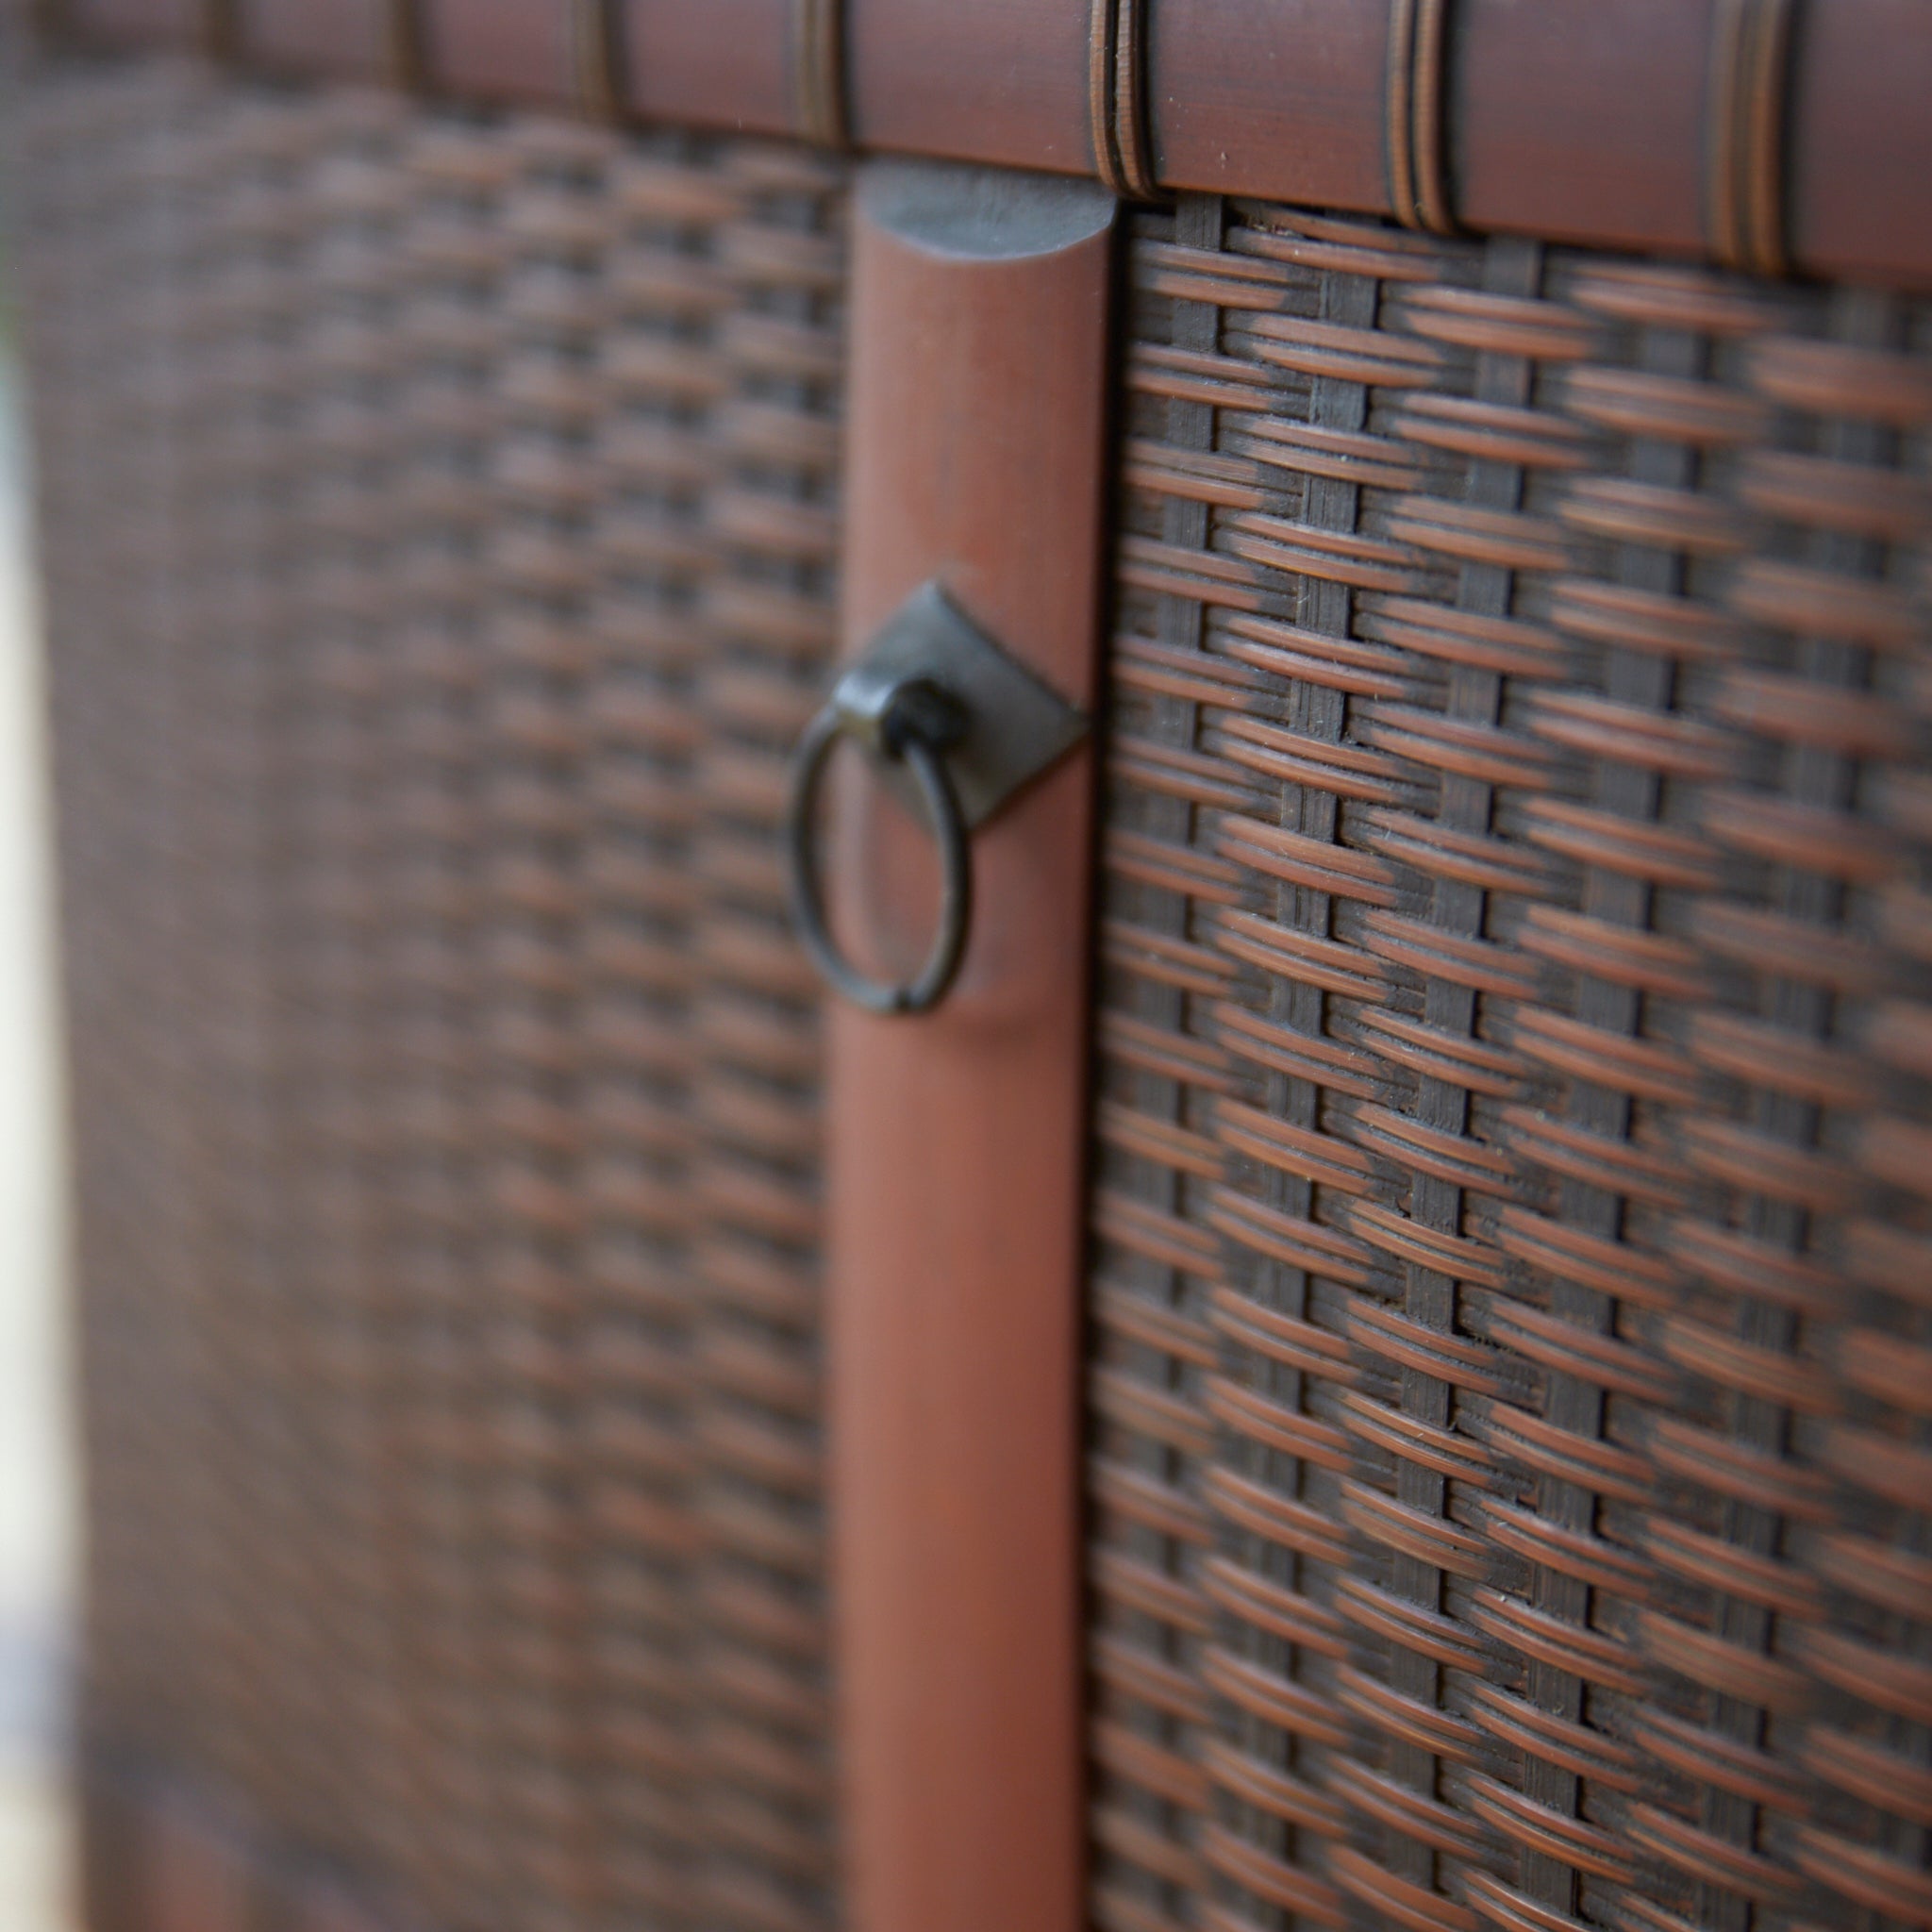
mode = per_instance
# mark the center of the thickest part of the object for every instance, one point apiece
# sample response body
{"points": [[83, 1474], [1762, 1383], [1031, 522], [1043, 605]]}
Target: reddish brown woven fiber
{"points": [[438, 527], [1513, 1386]]}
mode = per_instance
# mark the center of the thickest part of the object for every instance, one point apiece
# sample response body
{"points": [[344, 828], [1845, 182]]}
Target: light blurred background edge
{"points": [[38, 1491]]}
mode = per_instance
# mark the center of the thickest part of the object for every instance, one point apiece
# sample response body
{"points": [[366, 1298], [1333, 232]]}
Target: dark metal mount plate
{"points": [[1016, 727]]}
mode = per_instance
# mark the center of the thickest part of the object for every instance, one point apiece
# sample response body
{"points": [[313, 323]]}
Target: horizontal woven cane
{"points": [[437, 531], [1512, 1347]]}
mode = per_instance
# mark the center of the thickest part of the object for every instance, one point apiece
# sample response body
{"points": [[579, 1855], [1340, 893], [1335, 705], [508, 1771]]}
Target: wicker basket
{"points": [[1509, 1301]]}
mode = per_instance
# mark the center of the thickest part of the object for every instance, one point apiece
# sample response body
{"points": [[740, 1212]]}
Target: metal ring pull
{"points": [[908, 720], [955, 727]]}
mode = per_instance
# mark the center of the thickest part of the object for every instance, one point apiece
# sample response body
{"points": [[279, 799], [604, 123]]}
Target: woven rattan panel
{"points": [[1512, 1367], [437, 533]]}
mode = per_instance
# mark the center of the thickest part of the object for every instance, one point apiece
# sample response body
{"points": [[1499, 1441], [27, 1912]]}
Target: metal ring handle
{"points": [[908, 742]]}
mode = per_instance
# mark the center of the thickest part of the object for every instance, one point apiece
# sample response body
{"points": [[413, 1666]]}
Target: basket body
{"points": [[1509, 1293]]}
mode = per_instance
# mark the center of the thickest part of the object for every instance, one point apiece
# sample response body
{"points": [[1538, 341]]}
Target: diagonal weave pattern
{"points": [[439, 545], [1511, 1395]]}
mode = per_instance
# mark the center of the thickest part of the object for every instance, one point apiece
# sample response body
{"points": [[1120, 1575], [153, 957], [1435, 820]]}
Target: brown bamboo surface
{"points": [[1750, 131], [438, 538], [1512, 1382], [955, 1144]]}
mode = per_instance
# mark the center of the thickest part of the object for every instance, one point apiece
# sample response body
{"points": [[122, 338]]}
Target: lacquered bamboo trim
{"points": [[955, 1167], [817, 54], [1750, 92], [1639, 164], [1117, 99], [1427, 148], [1417, 52], [596, 57], [403, 45]]}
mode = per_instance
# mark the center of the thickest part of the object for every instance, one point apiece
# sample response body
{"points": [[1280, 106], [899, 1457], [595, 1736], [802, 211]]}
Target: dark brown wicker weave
{"points": [[1511, 1379], [439, 521], [1510, 1306]]}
